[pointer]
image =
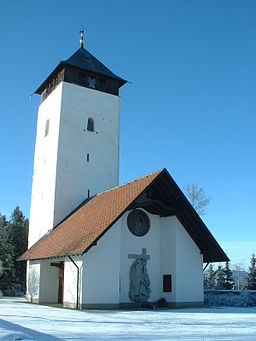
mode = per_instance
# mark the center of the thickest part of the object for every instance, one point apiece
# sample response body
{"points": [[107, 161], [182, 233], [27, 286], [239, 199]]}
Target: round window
{"points": [[138, 222]]}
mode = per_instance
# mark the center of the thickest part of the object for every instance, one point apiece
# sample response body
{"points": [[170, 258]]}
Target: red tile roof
{"points": [[89, 222]]}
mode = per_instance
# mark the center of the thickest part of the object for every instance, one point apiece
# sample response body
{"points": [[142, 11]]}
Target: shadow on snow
{"points": [[24, 333]]}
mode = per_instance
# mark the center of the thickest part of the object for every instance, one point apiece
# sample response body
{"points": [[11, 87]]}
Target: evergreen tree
{"points": [[3, 224], [228, 277], [1, 268], [6, 256], [18, 234], [251, 279], [210, 277], [219, 278], [13, 242]]}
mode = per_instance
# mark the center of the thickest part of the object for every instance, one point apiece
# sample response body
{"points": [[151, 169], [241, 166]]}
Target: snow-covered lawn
{"points": [[24, 321]]}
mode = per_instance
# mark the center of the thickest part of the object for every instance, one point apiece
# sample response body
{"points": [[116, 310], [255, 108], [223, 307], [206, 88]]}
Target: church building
{"points": [[92, 243]]}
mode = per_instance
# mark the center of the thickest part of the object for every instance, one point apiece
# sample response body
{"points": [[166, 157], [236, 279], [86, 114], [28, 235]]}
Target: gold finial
{"points": [[82, 38]]}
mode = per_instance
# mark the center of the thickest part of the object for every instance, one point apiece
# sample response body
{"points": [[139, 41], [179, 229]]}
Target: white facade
{"points": [[101, 271], [43, 282], [44, 171], [106, 266], [33, 281], [71, 162], [104, 270], [70, 281]]}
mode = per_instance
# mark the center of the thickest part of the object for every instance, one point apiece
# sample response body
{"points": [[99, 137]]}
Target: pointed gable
{"points": [[157, 193]]}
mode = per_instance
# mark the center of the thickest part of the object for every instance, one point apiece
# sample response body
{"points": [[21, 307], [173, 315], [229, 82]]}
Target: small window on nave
{"points": [[167, 283], [47, 126], [90, 124]]}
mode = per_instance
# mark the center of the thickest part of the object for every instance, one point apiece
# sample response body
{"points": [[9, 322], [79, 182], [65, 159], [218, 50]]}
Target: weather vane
{"points": [[82, 37]]}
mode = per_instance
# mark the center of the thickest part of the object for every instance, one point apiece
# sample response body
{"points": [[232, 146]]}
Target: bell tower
{"points": [[77, 139]]}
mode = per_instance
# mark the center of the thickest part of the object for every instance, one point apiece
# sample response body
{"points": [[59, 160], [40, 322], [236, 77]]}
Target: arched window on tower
{"points": [[47, 126], [90, 124]]}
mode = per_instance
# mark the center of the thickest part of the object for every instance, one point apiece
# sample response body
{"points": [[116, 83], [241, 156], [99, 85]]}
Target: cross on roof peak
{"points": [[82, 38]]}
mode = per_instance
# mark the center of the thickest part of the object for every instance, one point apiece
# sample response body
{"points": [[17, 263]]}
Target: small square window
{"points": [[102, 84], [47, 127], [81, 78], [90, 124], [92, 82], [167, 283]]}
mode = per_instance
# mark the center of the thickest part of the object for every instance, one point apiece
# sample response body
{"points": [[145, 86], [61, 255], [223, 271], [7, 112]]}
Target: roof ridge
{"points": [[130, 181]]}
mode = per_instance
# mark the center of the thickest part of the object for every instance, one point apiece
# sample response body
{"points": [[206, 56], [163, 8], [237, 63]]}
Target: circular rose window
{"points": [[138, 222]]}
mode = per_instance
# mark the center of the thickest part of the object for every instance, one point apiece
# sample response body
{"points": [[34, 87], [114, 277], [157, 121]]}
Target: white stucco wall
{"points": [[75, 176], [70, 281], [189, 268], [43, 281], [168, 254], [106, 266], [49, 282], [104, 269], [101, 266], [44, 171], [62, 176], [131, 244], [33, 281]]}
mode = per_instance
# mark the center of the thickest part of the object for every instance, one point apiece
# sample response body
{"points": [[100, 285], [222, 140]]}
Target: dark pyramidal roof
{"points": [[82, 60]]}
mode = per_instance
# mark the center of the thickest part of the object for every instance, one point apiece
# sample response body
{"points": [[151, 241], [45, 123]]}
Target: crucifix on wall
{"points": [[142, 256], [139, 278]]}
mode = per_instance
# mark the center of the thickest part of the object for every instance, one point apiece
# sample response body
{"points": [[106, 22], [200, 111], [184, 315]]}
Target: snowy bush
{"points": [[231, 298], [16, 290]]}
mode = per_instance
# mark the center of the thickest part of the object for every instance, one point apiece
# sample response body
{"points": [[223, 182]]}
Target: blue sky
{"points": [[190, 106]]}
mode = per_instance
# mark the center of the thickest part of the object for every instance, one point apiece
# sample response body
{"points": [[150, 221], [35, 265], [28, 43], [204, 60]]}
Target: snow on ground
{"points": [[25, 321]]}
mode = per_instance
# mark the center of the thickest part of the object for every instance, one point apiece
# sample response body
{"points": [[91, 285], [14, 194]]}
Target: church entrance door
{"points": [[60, 266]]}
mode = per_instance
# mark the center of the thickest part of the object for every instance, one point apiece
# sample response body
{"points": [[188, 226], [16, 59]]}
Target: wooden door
{"points": [[61, 283]]}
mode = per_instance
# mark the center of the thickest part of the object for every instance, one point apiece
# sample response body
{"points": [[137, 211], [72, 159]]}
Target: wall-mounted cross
{"points": [[142, 256]]}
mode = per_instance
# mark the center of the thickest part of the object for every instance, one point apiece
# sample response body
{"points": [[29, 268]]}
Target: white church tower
{"points": [[77, 140]]}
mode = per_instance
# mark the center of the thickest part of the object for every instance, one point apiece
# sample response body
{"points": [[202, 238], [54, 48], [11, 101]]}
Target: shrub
{"points": [[231, 298]]}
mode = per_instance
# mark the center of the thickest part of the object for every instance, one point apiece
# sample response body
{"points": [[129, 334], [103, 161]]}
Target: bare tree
{"points": [[240, 276], [197, 198]]}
